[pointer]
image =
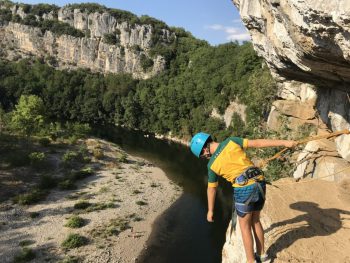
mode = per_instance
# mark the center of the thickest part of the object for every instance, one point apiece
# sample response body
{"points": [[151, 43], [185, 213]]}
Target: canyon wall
{"points": [[133, 42]]}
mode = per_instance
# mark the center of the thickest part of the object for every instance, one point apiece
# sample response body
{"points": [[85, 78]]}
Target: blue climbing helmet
{"points": [[198, 141]]}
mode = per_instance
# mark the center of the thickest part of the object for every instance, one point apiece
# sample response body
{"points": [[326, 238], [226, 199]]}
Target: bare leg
{"points": [[246, 227], [258, 233]]}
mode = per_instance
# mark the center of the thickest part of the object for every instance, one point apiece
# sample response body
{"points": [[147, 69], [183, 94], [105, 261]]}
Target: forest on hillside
{"points": [[180, 100]]}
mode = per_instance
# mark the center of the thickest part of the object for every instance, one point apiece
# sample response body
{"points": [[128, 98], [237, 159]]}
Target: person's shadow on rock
{"points": [[317, 222]]}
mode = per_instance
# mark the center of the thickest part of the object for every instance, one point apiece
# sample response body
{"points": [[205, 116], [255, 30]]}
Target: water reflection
{"points": [[181, 234]]}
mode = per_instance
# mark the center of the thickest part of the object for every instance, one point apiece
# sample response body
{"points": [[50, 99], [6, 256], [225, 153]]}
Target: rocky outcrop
{"points": [[306, 44], [233, 108], [132, 43]]}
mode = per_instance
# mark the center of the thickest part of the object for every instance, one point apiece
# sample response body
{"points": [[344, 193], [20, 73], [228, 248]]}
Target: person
{"points": [[229, 160]]}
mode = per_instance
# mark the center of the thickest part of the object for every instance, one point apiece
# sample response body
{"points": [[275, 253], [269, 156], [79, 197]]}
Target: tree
{"points": [[27, 118]]}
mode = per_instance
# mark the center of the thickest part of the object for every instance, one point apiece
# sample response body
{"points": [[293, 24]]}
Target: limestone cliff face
{"points": [[306, 44], [133, 43]]}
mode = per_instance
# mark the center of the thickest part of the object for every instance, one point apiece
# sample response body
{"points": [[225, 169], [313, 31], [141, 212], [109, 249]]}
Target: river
{"points": [[181, 234]]}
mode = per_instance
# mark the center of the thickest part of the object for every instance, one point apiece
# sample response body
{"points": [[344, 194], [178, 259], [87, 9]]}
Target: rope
{"points": [[314, 138], [312, 179]]}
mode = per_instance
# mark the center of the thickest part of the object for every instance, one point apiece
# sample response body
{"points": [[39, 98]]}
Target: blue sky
{"points": [[216, 21]]}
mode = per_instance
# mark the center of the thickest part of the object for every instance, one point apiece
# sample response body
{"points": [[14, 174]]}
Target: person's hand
{"points": [[290, 144], [210, 216]]}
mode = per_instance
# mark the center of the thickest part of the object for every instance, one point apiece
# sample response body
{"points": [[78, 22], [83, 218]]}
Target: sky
{"points": [[216, 21]]}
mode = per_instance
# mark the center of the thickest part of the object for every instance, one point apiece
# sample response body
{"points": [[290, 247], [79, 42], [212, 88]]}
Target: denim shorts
{"points": [[242, 194]]}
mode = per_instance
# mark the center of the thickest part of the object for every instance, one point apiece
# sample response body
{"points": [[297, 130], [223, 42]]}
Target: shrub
{"points": [[81, 174], [146, 62], [70, 156], [67, 184], [75, 222], [110, 39], [74, 241], [36, 159], [25, 255], [135, 192], [34, 214], [82, 205], [141, 203], [122, 158], [80, 130], [100, 206], [34, 196], [114, 227]]}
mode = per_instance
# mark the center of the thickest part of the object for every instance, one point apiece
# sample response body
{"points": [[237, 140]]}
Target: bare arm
{"points": [[211, 193], [259, 143]]}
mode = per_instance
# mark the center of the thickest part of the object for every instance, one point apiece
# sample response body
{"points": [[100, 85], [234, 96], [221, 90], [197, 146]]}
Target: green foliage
{"points": [[57, 27], [82, 205], [71, 158], [34, 215], [5, 15], [81, 174], [88, 207], [146, 62], [25, 243], [122, 157], [25, 255], [74, 241], [75, 222], [41, 9], [36, 158], [113, 228], [88, 7], [110, 39], [28, 117], [67, 184], [34, 196], [141, 203]]}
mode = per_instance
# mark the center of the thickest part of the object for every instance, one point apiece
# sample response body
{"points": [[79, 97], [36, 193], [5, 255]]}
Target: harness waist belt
{"points": [[250, 173]]}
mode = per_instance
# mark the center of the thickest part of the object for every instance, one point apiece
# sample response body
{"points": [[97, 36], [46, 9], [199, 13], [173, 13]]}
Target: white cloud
{"points": [[232, 33], [215, 27]]}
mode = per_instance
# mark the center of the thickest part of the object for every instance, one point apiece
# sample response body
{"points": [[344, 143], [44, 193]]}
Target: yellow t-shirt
{"points": [[229, 161]]}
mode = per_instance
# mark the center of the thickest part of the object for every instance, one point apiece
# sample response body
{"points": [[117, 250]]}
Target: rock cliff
{"points": [[131, 43], [306, 44]]}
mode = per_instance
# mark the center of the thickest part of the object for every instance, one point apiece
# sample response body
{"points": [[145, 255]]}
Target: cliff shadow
{"points": [[314, 222]]}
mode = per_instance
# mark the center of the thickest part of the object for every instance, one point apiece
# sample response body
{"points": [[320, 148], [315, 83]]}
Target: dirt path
{"points": [[304, 222], [135, 193]]}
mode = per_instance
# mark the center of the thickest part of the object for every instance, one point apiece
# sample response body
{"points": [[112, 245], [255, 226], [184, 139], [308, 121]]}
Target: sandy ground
{"points": [[124, 186], [306, 221]]}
